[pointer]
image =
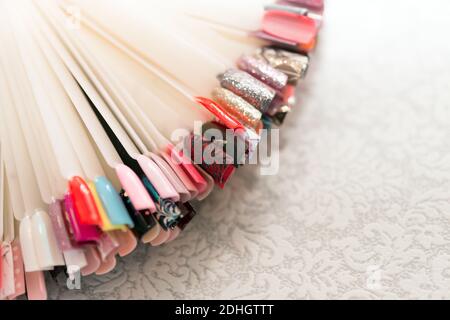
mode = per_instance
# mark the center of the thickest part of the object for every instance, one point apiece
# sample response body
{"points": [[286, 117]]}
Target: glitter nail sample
{"points": [[263, 71], [294, 65], [249, 88], [237, 107]]}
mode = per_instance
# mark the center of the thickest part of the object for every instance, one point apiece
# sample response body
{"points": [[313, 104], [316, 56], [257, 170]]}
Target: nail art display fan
{"points": [[117, 117]]}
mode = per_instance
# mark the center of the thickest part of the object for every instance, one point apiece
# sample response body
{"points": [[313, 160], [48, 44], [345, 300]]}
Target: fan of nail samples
{"points": [[95, 97]]}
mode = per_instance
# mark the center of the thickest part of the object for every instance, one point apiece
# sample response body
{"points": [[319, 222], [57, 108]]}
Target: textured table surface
{"points": [[361, 205]]}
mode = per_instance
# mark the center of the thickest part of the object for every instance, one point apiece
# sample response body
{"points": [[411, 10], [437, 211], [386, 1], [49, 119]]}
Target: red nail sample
{"points": [[84, 202], [220, 113]]}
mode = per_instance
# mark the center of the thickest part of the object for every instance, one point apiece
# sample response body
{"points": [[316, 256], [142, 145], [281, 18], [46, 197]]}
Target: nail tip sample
{"points": [[114, 207]]}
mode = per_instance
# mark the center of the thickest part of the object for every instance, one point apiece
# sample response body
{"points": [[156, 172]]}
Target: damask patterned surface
{"points": [[361, 205]]}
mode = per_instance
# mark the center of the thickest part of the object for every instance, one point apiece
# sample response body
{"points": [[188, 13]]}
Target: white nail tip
{"points": [[45, 241], [27, 245], [37, 236]]}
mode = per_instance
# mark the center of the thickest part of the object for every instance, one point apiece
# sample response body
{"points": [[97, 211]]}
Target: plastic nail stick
{"points": [[94, 96], [149, 167], [234, 14], [229, 43], [132, 33], [126, 175], [149, 104], [41, 221], [9, 225], [78, 138], [14, 199], [246, 17], [76, 96], [17, 93], [126, 101], [69, 165], [103, 72], [160, 141], [149, 87], [78, 99], [38, 230]]}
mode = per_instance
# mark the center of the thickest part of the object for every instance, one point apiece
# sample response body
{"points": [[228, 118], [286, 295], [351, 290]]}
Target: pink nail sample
{"points": [[172, 177], [19, 272], [158, 179], [135, 189], [127, 240], [163, 236], [187, 182], [93, 261], [174, 234], [188, 167], [107, 246], [59, 226], [35, 283], [291, 27], [82, 233], [107, 266]]}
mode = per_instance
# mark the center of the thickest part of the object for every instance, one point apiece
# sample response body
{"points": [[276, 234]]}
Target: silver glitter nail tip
{"points": [[263, 71], [249, 88]]}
